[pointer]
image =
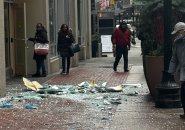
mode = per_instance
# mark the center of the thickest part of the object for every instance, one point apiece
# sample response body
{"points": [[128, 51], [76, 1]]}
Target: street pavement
{"points": [[140, 113], [136, 111]]}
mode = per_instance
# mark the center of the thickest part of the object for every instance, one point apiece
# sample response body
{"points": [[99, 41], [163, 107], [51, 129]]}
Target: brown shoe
{"points": [[182, 116]]}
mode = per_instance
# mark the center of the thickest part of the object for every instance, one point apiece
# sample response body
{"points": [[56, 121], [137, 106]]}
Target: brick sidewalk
{"points": [[93, 69]]}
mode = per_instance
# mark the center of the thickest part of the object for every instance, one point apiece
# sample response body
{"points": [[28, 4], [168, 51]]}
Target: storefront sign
{"points": [[106, 43]]}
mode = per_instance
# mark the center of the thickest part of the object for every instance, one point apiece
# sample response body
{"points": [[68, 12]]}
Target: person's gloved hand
{"points": [[114, 45]]}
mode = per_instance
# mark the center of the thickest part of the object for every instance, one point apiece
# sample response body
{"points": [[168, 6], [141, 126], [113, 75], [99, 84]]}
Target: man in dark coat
{"points": [[40, 37], [65, 40], [121, 41]]}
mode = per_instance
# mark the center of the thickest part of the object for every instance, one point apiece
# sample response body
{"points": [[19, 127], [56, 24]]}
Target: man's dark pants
{"points": [[119, 52], [183, 95]]}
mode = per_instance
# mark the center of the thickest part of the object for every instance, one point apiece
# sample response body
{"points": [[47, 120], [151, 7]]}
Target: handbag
{"points": [[41, 48], [74, 48]]}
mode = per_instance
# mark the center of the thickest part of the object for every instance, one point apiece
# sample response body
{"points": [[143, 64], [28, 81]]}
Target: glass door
{"points": [[20, 40], [7, 37]]}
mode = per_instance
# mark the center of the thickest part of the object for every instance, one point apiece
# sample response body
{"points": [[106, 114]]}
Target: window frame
{"points": [[52, 28]]}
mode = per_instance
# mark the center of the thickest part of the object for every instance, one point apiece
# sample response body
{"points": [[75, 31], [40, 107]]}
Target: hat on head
{"points": [[179, 26]]}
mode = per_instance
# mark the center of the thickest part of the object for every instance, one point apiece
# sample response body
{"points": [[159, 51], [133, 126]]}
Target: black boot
{"points": [[68, 65], [63, 65], [67, 72], [115, 67], [44, 74], [126, 70], [63, 72], [36, 75]]}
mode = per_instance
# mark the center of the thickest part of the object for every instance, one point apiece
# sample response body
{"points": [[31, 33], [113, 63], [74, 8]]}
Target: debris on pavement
{"points": [[106, 102], [7, 105], [34, 85], [131, 85], [84, 87], [99, 95], [48, 99], [132, 94], [128, 87], [31, 106], [115, 89]]}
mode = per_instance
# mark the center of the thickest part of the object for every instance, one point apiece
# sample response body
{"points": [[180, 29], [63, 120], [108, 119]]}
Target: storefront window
{"points": [[52, 26]]}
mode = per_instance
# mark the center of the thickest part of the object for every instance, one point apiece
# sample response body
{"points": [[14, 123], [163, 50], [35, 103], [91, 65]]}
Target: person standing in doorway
{"points": [[65, 40], [40, 37], [178, 59], [121, 41]]}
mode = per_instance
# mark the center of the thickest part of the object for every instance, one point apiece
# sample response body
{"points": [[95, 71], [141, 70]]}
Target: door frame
{"points": [[9, 38], [20, 40]]}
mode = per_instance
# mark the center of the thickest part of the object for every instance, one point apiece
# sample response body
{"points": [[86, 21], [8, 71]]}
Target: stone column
{"points": [[83, 51], [74, 25], [89, 32], [2, 52]]}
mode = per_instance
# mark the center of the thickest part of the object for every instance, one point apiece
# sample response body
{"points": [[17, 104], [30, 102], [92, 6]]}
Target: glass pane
{"points": [[19, 39], [53, 51], [7, 34]]}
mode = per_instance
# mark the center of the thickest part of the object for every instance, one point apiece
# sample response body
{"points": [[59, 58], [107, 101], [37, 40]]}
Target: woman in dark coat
{"points": [[65, 40], [40, 37]]}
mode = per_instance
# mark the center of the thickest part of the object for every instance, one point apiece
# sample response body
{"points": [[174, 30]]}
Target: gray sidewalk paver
{"points": [[139, 112]]}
